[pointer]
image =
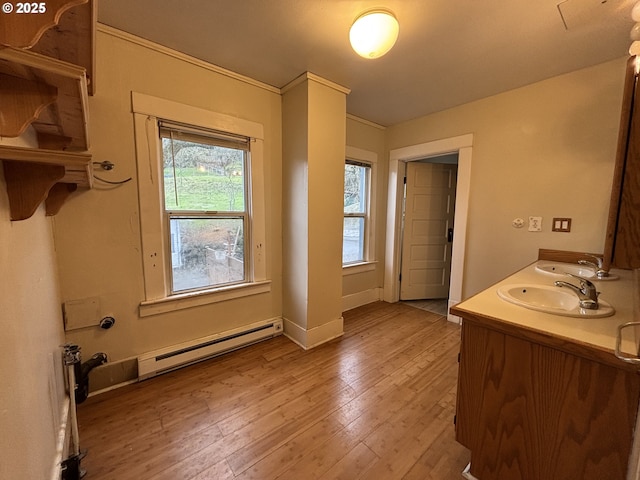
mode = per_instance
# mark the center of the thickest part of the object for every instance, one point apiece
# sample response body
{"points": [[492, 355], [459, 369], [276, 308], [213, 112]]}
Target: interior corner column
{"points": [[314, 137]]}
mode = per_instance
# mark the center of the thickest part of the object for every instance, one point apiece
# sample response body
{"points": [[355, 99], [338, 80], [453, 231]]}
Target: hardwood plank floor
{"points": [[377, 403]]}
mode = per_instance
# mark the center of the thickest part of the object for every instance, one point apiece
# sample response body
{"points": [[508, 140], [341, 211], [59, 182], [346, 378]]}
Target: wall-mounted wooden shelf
{"points": [[21, 28], [36, 175], [47, 62], [65, 30], [73, 39], [49, 94]]}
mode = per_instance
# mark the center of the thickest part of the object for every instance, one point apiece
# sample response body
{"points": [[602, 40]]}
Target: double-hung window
{"points": [[205, 206], [357, 186], [202, 205]]}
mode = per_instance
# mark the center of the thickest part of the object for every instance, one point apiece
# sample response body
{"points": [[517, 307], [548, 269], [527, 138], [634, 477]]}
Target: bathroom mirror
{"points": [[622, 242]]}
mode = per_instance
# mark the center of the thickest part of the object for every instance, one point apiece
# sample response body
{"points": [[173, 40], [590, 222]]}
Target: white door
{"points": [[428, 230]]}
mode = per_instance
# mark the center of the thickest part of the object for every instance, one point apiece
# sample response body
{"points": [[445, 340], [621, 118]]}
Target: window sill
{"points": [[355, 268], [194, 299]]}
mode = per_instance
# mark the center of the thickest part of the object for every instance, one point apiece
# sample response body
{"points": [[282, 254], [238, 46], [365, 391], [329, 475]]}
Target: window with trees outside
{"points": [[205, 206], [201, 188], [357, 180]]}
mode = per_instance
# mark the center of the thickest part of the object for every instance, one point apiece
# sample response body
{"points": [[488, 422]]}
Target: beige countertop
{"points": [[598, 334]]}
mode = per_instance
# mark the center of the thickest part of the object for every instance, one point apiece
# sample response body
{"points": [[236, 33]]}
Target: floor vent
{"points": [[170, 358]]}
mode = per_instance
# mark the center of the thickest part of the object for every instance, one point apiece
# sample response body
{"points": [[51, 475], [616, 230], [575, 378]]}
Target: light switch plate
{"points": [[561, 225], [535, 224]]}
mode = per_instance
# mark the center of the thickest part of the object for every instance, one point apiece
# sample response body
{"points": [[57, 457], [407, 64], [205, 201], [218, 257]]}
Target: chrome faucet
{"points": [[597, 266], [587, 293]]}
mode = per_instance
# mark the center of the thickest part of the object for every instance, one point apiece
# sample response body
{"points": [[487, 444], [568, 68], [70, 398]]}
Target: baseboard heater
{"points": [[176, 356]]}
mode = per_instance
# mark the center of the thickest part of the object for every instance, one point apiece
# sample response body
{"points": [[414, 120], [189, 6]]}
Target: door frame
{"points": [[463, 144]]}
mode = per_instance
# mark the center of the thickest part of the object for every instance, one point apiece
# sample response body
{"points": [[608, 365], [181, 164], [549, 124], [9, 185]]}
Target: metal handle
{"points": [[618, 352], [599, 260]]}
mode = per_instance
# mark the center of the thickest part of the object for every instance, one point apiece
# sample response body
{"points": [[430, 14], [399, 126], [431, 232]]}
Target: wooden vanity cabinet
{"points": [[530, 410]]}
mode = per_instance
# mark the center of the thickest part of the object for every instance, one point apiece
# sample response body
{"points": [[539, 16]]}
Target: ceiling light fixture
{"points": [[374, 33]]}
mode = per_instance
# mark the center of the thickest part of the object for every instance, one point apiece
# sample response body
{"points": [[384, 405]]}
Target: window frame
{"points": [[215, 138], [156, 245], [366, 158]]}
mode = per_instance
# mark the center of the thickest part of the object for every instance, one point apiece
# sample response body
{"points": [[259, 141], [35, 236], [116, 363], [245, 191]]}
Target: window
{"points": [[357, 181], [202, 205], [205, 206]]}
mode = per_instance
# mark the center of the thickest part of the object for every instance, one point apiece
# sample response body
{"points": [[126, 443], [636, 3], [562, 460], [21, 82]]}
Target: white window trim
{"points": [[147, 110], [369, 263], [360, 267]]}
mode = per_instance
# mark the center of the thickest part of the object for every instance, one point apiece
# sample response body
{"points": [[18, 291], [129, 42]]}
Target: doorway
{"points": [[462, 145], [427, 227]]}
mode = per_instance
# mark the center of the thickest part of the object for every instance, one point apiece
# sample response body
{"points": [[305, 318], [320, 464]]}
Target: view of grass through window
{"points": [[205, 203]]}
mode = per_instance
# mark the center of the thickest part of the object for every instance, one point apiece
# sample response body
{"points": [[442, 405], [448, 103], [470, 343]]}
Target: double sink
{"points": [[549, 298]]}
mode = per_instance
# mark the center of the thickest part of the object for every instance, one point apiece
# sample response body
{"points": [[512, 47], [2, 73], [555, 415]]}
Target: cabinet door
{"points": [[531, 412]]}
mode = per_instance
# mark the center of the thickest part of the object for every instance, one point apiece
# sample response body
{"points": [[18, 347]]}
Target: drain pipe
{"points": [[82, 375], [71, 466], [78, 385]]}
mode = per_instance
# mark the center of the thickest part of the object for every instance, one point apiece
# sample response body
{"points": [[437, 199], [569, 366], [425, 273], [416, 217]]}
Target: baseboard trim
{"points": [[453, 318], [308, 339], [361, 298]]}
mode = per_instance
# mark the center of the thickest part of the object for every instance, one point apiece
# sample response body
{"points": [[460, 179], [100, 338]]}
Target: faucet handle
{"points": [[584, 283], [599, 260]]}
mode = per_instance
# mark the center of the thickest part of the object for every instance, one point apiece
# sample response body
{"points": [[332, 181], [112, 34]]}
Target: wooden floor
{"points": [[377, 403]]}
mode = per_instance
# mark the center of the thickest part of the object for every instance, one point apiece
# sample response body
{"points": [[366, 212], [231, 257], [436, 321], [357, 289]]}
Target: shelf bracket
{"points": [[23, 100], [57, 196], [28, 185]]}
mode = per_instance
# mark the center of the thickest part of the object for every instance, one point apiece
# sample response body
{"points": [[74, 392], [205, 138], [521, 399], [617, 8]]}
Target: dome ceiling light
{"points": [[374, 33]]}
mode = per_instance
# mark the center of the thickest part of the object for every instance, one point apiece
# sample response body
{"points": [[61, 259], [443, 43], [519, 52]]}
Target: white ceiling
{"points": [[449, 52]]}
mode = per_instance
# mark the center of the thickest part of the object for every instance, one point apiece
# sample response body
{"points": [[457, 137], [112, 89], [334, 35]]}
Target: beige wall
{"points": [[98, 231], [32, 383], [367, 136], [546, 150]]}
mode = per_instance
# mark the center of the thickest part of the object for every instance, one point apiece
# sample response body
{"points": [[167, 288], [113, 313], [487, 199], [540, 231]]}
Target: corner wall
{"points": [[359, 287], [32, 389]]}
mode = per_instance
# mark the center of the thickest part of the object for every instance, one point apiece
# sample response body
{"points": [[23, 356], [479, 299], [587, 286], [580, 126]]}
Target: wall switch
{"points": [[535, 224], [561, 225]]}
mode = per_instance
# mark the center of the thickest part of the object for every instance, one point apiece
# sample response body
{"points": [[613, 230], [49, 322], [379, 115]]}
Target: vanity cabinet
{"points": [[528, 411]]}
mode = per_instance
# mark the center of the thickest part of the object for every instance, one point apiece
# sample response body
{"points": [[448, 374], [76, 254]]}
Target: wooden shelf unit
{"points": [[46, 93], [47, 63], [66, 31]]}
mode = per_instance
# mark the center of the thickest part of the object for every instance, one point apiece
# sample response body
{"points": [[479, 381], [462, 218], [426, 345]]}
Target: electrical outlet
{"points": [[535, 224]]}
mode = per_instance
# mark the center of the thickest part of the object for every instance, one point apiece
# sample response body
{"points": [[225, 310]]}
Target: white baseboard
{"points": [[309, 339], [361, 298], [453, 318]]}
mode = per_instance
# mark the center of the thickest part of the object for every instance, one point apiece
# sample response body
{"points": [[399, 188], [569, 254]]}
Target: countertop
{"points": [[594, 337]]}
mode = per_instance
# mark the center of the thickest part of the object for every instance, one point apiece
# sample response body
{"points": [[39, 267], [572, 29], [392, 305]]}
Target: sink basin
{"points": [[558, 269], [551, 299]]}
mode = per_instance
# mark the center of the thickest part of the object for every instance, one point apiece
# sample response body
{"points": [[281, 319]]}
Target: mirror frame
{"points": [[626, 118]]}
